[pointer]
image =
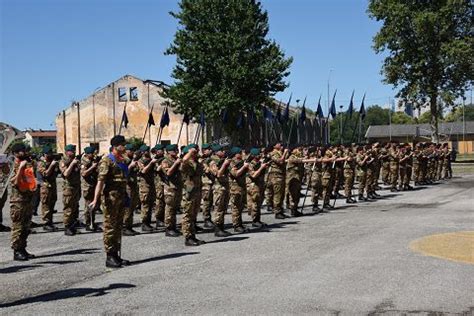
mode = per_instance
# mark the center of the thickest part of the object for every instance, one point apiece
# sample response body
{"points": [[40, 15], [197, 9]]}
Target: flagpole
{"points": [[148, 125], [390, 118], [121, 122], [160, 130], [180, 130]]}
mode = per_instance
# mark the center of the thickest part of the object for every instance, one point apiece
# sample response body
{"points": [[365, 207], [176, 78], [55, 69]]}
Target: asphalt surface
{"points": [[354, 260]]}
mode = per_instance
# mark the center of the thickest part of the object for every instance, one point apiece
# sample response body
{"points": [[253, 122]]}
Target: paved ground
{"points": [[354, 260]]}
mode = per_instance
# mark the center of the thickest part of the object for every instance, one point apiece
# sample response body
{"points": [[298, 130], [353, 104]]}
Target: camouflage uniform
{"points": [[191, 172], [294, 177], [160, 192], [361, 174], [276, 182], [113, 201], [327, 176], [255, 191], [221, 191], [21, 212], [48, 191], [237, 191], [416, 166], [316, 184], [146, 187], [338, 173], [349, 170], [71, 192], [132, 193], [394, 158], [409, 170], [89, 183], [207, 189], [173, 189]]}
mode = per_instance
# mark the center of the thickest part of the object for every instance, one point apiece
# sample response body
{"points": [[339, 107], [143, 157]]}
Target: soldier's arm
{"points": [[145, 169], [242, 169], [87, 171], [222, 169], [259, 171], [16, 178], [67, 170], [103, 170], [171, 170], [50, 170]]}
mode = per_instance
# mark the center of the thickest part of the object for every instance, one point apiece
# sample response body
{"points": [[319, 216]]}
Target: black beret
{"points": [[18, 147], [118, 140]]}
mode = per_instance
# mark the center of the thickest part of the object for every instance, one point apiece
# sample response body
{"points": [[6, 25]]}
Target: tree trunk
{"points": [[434, 118]]}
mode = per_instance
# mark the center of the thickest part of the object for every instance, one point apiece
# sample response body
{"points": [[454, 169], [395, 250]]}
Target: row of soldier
{"points": [[163, 180]]}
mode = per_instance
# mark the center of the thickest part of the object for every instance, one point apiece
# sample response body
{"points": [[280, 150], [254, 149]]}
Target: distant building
{"points": [[94, 120], [460, 136], [38, 138]]}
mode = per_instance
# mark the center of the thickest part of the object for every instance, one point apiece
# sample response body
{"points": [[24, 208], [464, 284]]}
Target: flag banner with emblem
{"points": [[267, 114]]}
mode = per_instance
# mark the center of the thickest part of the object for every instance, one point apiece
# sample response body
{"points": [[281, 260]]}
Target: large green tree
{"points": [[224, 59], [429, 49]]}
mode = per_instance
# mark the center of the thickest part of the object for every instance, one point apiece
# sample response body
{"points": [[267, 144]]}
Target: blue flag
{"points": [[279, 117], [165, 119], [332, 110], [362, 109], [151, 120], [286, 113], [351, 105], [303, 112], [225, 116], [319, 111], [267, 114], [409, 109], [202, 119], [240, 121], [251, 116]]}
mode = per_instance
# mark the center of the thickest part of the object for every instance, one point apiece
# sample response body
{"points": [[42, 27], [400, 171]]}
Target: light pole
{"points": [[464, 124]]}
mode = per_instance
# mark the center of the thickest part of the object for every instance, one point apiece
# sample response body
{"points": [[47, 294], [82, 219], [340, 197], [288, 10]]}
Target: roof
{"points": [[400, 130], [41, 133]]}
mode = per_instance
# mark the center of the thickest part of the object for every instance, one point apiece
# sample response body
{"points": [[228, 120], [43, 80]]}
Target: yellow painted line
{"points": [[457, 246]]}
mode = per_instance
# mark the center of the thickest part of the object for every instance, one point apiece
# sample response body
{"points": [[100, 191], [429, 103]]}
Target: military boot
{"points": [[171, 233], [123, 262], [240, 230], [146, 228], [208, 224], [49, 227], [27, 254], [220, 232], [70, 231], [191, 242], [112, 261], [19, 256], [296, 213]]}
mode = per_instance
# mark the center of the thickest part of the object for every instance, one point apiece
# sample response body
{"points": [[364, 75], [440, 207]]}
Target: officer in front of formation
{"points": [[111, 189]]}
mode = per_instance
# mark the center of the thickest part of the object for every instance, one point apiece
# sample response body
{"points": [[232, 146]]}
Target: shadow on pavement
{"points": [[164, 257], [68, 293], [19, 268], [84, 251], [226, 240]]}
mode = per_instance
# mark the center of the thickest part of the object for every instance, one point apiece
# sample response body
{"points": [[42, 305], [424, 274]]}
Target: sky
{"points": [[56, 51]]}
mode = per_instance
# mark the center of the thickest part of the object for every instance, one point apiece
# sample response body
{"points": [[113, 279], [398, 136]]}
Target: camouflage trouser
{"points": [[439, 170], [207, 200], [147, 199], [362, 183], [89, 214], [338, 179], [48, 197], [370, 180], [276, 184], [236, 206], [423, 168], [393, 175], [294, 190], [403, 173], [113, 206], [446, 170], [378, 166], [316, 187], [348, 182], [3, 200], [71, 199], [132, 192], [191, 201], [254, 200], [172, 203], [221, 201], [160, 202], [408, 177], [416, 172], [35, 201], [386, 172], [21, 213], [326, 187]]}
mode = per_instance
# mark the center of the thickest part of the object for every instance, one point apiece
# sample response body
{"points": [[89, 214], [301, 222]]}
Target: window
{"points": [[122, 94], [165, 142], [133, 94]]}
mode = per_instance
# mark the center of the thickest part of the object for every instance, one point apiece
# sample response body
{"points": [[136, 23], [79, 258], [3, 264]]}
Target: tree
{"points": [[430, 49], [456, 114], [402, 118], [224, 59]]}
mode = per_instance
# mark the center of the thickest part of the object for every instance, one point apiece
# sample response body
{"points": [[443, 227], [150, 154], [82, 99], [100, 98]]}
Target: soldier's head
{"points": [[159, 150], [47, 152], [193, 149], [254, 153], [89, 152], [19, 150], [172, 150], [70, 150], [144, 151], [118, 144], [129, 150], [218, 150], [236, 152], [206, 150], [278, 146]]}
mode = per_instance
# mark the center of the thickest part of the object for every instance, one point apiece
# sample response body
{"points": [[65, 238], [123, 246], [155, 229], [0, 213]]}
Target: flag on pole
{"points": [[351, 105], [303, 114], [362, 109], [409, 109], [286, 113], [202, 119], [186, 118], [240, 120], [165, 119], [225, 116], [267, 114], [319, 111], [151, 120], [251, 116], [332, 110], [124, 119], [279, 117]]}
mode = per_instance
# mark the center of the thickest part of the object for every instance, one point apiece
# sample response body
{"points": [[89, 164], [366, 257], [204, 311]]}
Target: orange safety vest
{"points": [[27, 181]]}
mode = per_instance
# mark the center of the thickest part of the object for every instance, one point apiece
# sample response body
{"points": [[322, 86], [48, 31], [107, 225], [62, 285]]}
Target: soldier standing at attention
{"points": [[173, 188], [48, 169], [316, 180], [131, 159], [255, 187], [146, 185], [238, 171], [71, 172], [191, 171], [207, 186], [384, 157], [112, 190], [159, 186], [361, 163], [349, 170], [276, 179], [89, 181], [416, 164], [219, 168], [23, 186], [394, 158], [328, 161]]}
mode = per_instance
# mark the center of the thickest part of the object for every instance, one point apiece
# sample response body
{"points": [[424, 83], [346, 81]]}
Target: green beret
{"points": [[185, 150], [159, 147], [172, 147], [118, 140], [129, 147], [89, 150], [206, 146], [47, 150], [255, 151], [18, 147], [70, 147], [236, 150], [195, 146], [216, 147], [144, 148]]}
